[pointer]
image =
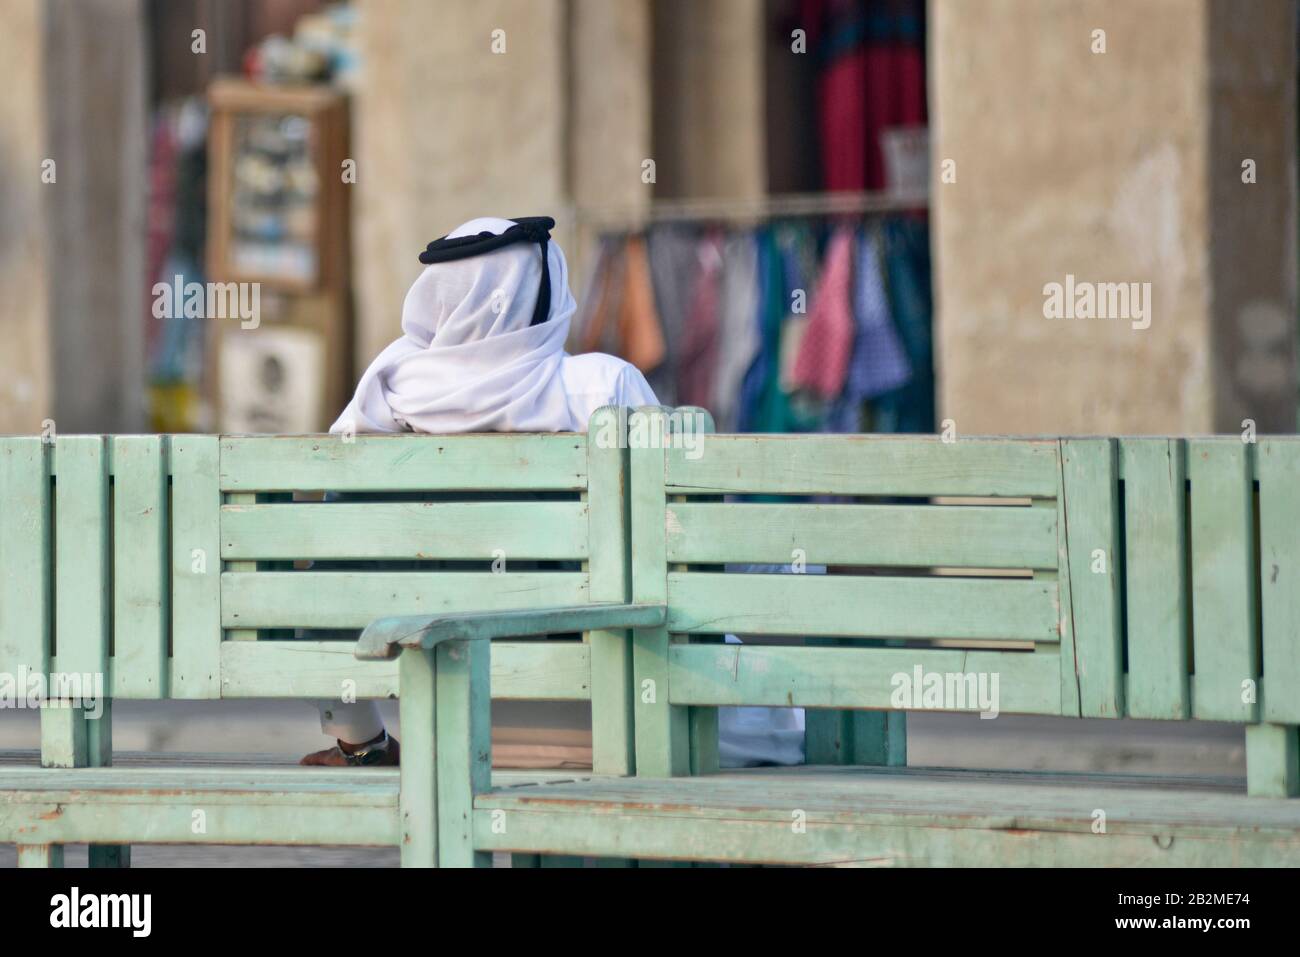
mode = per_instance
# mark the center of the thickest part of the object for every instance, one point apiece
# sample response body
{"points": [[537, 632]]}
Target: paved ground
{"points": [[933, 740]]}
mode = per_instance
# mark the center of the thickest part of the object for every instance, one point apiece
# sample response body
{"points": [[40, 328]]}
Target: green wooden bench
{"points": [[167, 565], [1102, 578], [1096, 577]]}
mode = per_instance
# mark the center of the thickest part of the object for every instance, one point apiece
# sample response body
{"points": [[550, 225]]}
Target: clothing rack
{"points": [[757, 209]]}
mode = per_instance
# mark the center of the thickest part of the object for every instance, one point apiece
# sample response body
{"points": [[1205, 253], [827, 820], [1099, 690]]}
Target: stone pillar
{"points": [[1104, 140], [1252, 103], [72, 286], [446, 129], [709, 127], [95, 71], [25, 388], [609, 119]]}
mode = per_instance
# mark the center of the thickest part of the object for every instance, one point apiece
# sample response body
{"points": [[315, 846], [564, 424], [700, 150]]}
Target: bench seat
{"points": [[152, 799], [881, 816]]}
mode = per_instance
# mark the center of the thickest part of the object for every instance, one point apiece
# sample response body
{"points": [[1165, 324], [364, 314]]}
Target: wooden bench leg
{"points": [[71, 738], [64, 744], [705, 758], [1273, 760], [418, 801], [40, 855], [463, 701], [662, 730], [99, 745], [856, 737], [446, 752]]}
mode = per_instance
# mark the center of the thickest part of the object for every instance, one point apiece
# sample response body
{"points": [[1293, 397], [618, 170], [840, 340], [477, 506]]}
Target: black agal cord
{"points": [[526, 229]]}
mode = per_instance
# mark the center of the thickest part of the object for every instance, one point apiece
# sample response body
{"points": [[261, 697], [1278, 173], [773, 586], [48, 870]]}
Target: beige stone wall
{"points": [[24, 302], [1110, 167]]}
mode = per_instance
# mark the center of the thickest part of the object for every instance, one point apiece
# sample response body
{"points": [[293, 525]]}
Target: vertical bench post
{"points": [[613, 746], [445, 708], [418, 804], [662, 730], [1273, 749], [1272, 760]]}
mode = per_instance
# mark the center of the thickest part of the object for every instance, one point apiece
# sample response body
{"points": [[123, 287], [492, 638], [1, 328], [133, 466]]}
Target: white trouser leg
{"points": [[351, 722]]}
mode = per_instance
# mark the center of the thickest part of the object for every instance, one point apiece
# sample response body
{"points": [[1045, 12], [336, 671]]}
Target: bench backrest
{"points": [[187, 566], [1094, 577]]}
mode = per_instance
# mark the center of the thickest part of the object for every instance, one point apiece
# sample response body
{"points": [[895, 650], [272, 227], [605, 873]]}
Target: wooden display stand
{"points": [[278, 216]]}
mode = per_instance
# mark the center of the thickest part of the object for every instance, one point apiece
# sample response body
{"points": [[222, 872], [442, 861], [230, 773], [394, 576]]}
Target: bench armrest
{"points": [[385, 638]]}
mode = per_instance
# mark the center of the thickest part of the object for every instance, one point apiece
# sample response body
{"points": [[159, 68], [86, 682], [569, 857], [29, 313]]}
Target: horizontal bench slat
{"points": [[818, 677], [844, 606], [377, 463], [355, 599], [866, 465], [901, 535], [521, 670], [405, 530]]}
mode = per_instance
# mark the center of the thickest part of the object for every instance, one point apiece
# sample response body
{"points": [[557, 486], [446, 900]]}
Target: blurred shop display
{"points": [[323, 48], [245, 187], [278, 219], [801, 322], [270, 381]]}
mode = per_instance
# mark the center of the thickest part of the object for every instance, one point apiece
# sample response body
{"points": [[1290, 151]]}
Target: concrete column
{"points": [[95, 82], [446, 129], [609, 50], [1104, 140], [25, 389], [1252, 103], [709, 116]]}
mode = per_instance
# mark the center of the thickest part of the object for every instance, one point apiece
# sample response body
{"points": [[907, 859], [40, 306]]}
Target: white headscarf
{"points": [[468, 360]]}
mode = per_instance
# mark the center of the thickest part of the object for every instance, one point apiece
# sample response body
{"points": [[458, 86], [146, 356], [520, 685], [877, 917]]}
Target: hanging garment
{"points": [[641, 338], [879, 363], [871, 77], [827, 343], [673, 262], [698, 360], [763, 403], [739, 332], [469, 361], [767, 406], [799, 256], [596, 305], [837, 34], [894, 68], [792, 333], [755, 382], [907, 275]]}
